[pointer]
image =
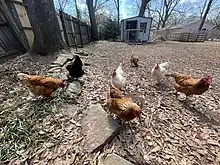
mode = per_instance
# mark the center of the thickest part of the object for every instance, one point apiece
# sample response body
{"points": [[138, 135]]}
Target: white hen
{"points": [[159, 70], [118, 79]]}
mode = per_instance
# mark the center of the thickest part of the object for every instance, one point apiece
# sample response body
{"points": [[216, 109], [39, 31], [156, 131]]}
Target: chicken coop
{"points": [[136, 29]]}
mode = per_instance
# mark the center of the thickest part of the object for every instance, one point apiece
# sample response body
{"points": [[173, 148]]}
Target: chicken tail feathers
{"points": [[22, 76], [164, 65], [170, 74]]}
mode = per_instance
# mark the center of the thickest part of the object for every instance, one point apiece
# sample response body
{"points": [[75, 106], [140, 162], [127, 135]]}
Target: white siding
{"points": [[194, 27], [138, 34]]}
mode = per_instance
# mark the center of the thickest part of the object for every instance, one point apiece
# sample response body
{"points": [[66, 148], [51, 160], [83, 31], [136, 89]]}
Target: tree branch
{"points": [[100, 5], [138, 5]]}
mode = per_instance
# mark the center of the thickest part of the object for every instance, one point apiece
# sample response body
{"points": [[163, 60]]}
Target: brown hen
{"points": [[190, 86], [134, 60], [124, 108], [41, 86]]}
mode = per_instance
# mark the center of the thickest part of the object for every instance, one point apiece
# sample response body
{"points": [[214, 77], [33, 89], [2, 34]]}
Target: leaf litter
{"points": [[170, 132]]}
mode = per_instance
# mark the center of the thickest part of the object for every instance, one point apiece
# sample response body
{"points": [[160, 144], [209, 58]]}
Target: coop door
{"points": [[131, 34], [144, 33]]}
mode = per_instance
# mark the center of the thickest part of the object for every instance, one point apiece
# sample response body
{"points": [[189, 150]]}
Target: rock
{"points": [[55, 69], [98, 127], [116, 160], [74, 88], [53, 66], [63, 76], [69, 110], [63, 59], [82, 53]]}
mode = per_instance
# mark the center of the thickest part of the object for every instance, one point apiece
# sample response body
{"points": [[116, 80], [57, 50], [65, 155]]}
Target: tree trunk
{"points": [[47, 35], [117, 4], [78, 22], [166, 16], [205, 14], [118, 9], [94, 30], [143, 7]]}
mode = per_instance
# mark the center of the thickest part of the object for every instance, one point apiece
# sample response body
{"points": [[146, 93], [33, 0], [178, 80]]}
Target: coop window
{"points": [[143, 25], [204, 29]]}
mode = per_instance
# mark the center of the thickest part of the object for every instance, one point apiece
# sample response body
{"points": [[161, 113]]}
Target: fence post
{"points": [[62, 18]]}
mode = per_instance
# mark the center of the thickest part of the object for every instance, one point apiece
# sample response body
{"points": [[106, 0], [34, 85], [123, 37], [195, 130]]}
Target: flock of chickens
{"points": [[118, 102]]}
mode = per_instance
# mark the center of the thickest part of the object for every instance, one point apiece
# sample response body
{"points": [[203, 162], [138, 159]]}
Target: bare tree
{"points": [[202, 9], [205, 14], [117, 4], [78, 13], [62, 4], [93, 7], [216, 21], [164, 10], [43, 19], [94, 30], [143, 7], [99, 4]]}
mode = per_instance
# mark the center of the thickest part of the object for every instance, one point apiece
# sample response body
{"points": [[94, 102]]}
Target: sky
{"points": [[129, 8]]}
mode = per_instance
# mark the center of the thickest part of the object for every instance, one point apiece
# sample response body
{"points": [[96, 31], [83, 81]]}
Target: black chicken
{"points": [[75, 68]]}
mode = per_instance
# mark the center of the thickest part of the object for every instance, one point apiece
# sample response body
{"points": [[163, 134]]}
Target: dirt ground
{"points": [[171, 132]]}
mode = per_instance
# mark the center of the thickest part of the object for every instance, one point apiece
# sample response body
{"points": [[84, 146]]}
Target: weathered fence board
{"points": [[9, 43], [24, 21], [8, 16], [16, 31]]}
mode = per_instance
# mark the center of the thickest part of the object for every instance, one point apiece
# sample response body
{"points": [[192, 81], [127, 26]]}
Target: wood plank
{"points": [[24, 22], [30, 36], [3, 23], [22, 14], [67, 39], [27, 28], [9, 18], [19, 2]]}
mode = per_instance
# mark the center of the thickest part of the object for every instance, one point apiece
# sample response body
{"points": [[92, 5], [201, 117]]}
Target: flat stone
{"points": [[69, 110], [82, 53], [54, 66], [74, 88], [63, 76], [116, 160], [56, 69], [99, 128], [68, 55], [63, 59]]}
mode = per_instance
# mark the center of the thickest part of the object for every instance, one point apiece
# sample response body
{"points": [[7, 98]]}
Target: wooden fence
{"points": [[188, 37], [214, 35], [16, 35], [73, 31]]}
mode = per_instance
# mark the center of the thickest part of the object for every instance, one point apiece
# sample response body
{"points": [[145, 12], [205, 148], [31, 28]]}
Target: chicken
{"points": [[159, 70], [41, 86], [114, 92], [118, 79], [134, 60], [124, 108], [75, 68], [190, 86]]}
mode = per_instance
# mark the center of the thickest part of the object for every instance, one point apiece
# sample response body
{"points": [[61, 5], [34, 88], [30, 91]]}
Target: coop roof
{"points": [[137, 17]]}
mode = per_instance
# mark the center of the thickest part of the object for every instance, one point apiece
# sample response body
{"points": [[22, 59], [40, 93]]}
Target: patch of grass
{"points": [[20, 130]]}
